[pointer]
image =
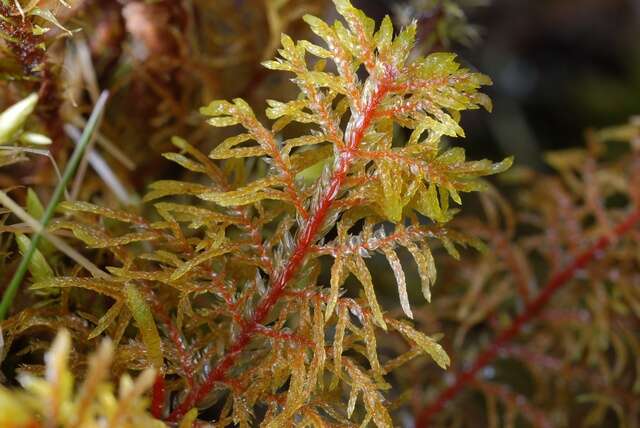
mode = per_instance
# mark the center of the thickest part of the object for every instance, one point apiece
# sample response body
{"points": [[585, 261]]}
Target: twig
{"points": [[530, 312], [12, 288]]}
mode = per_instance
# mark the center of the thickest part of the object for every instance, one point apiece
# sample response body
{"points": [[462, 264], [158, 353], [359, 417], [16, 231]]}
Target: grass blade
{"points": [[87, 134]]}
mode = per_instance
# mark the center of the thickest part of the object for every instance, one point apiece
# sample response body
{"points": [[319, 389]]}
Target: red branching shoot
{"points": [[531, 311], [223, 293], [303, 246]]}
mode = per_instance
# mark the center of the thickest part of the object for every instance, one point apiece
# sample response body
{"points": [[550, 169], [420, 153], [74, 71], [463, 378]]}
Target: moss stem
{"points": [[534, 308]]}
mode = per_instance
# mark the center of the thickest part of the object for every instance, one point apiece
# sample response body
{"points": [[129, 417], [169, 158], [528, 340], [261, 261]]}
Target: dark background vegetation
{"points": [[559, 67]]}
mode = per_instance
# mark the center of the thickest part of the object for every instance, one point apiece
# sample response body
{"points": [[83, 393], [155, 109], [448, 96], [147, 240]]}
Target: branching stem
{"points": [[532, 310], [304, 244]]}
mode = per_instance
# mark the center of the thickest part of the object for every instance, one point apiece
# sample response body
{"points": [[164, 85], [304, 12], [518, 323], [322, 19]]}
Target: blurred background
{"points": [[559, 67]]}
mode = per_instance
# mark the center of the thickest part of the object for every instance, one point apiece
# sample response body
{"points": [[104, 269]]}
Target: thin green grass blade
{"points": [[87, 134]]}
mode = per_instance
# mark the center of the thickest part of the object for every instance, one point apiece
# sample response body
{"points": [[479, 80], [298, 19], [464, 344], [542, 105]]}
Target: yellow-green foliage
{"points": [[576, 363], [221, 291], [54, 401]]}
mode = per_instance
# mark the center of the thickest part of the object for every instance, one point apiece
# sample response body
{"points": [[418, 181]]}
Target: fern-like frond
{"points": [[357, 164]]}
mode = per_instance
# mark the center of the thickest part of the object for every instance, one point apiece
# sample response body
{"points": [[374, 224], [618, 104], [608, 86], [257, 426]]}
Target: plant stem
{"points": [[158, 396], [304, 242], [87, 134], [530, 312]]}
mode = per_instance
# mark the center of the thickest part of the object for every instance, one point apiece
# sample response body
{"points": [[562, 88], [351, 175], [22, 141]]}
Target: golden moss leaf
{"points": [[199, 259], [108, 288], [196, 215], [359, 269], [398, 272], [450, 247], [391, 180], [227, 149], [316, 368], [126, 274], [373, 399], [296, 396], [185, 162], [339, 274], [128, 238], [426, 267], [427, 344], [144, 318], [254, 192], [106, 320], [86, 207], [341, 326], [163, 188], [372, 349]]}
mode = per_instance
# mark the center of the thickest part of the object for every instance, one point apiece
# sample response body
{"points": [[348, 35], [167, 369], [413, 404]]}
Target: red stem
{"points": [[304, 244], [158, 396], [530, 312]]}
